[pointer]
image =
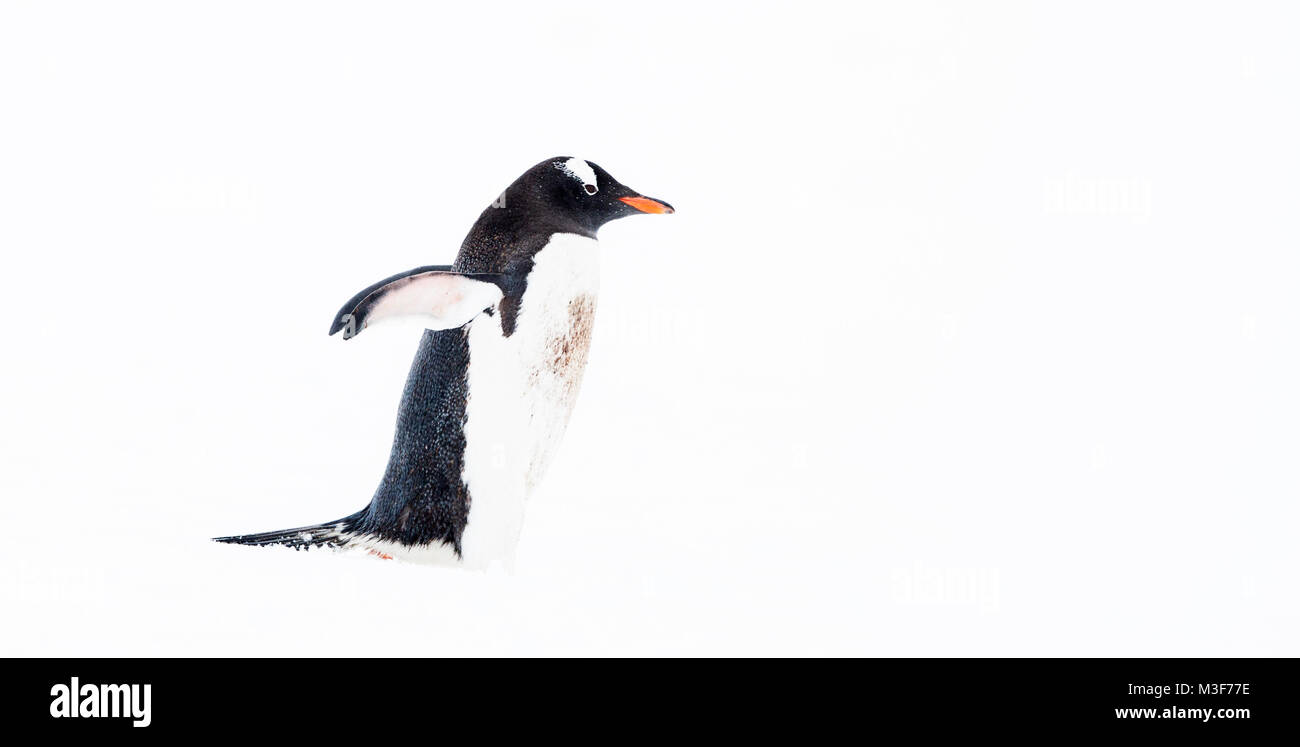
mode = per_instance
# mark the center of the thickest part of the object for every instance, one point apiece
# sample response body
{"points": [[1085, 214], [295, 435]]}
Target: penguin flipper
{"points": [[445, 299]]}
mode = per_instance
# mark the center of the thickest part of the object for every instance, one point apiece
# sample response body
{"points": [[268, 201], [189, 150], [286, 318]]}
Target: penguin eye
{"points": [[591, 188]]}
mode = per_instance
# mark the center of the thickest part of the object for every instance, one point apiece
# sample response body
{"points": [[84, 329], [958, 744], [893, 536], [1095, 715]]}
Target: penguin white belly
{"points": [[521, 390]]}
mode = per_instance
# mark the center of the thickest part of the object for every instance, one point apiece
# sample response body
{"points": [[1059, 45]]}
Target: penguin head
{"points": [[581, 192]]}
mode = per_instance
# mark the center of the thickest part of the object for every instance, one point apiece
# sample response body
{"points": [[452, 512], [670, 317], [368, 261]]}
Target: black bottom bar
{"points": [[330, 698]]}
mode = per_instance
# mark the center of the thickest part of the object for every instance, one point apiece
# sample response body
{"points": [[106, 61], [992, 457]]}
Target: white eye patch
{"points": [[580, 170]]}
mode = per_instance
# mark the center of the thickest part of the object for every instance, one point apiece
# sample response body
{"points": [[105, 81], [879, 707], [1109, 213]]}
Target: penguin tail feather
{"points": [[335, 534]]}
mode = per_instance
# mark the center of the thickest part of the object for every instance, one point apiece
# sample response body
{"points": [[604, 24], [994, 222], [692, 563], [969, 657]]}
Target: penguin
{"points": [[495, 378]]}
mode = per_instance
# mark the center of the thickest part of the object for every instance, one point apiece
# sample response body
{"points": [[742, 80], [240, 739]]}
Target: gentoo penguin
{"points": [[496, 375]]}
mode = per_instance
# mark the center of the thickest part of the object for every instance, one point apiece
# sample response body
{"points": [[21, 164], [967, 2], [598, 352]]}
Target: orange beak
{"points": [[647, 205]]}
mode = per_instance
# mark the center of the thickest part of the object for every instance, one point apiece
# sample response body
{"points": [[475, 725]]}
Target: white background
{"points": [[975, 331]]}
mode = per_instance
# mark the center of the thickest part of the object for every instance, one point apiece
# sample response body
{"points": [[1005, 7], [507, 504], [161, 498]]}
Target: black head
{"points": [[576, 193]]}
